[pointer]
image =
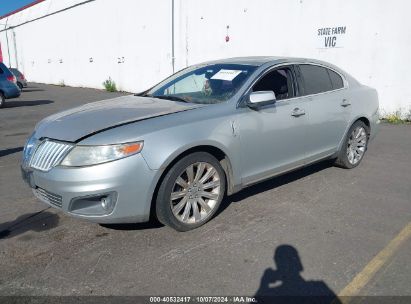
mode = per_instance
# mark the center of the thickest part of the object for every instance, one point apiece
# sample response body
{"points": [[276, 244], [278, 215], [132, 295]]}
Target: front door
{"points": [[273, 137]]}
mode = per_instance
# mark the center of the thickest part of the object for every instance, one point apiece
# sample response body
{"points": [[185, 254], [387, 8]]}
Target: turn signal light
{"points": [[132, 148]]}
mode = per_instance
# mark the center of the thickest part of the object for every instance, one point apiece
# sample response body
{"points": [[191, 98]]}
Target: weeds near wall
{"points": [[110, 85], [397, 117]]}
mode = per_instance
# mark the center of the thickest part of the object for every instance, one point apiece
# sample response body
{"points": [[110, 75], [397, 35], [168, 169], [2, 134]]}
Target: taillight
{"points": [[22, 77], [12, 79]]}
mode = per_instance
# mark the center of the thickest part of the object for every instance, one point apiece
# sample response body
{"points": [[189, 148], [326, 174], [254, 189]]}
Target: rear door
{"points": [[325, 92]]}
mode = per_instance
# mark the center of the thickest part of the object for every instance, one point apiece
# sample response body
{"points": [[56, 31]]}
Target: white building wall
{"points": [[374, 49], [59, 48]]}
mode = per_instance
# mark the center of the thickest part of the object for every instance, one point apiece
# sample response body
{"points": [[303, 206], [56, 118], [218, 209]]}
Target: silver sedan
{"points": [[210, 130]]}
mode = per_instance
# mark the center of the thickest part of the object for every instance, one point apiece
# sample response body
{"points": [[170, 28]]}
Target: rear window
{"points": [[316, 79], [15, 72], [336, 80]]}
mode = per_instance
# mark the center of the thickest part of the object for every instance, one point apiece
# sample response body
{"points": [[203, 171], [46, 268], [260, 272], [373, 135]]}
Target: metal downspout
{"points": [[7, 40], [15, 48], [172, 36]]}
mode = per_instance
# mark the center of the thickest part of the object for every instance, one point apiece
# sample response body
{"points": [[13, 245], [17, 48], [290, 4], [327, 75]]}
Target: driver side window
{"points": [[279, 81]]}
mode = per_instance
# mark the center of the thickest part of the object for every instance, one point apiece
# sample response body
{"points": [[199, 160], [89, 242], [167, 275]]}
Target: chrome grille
{"points": [[48, 197], [49, 154]]}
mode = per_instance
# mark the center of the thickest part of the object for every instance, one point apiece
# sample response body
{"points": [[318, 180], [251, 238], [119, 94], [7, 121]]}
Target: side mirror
{"points": [[260, 99]]}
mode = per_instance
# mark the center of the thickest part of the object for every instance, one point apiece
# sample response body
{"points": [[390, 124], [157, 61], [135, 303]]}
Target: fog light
{"points": [[106, 202], [97, 204]]}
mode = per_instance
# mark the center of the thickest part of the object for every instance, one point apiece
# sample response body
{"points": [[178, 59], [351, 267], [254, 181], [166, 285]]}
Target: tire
{"points": [[2, 100], [198, 192], [354, 146], [20, 86]]}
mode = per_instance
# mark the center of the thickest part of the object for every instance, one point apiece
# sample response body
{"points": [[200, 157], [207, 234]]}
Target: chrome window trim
{"points": [[240, 102]]}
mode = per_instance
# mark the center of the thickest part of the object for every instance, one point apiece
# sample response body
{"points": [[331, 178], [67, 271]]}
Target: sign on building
{"points": [[331, 37]]}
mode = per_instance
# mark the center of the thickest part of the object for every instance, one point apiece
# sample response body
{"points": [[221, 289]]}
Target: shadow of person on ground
{"points": [[38, 222], [25, 103], [10, 151], [286, 285]]}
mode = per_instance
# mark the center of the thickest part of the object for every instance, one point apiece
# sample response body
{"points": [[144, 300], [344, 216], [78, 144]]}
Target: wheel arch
{"points": [[366, 121], [215, 151]]}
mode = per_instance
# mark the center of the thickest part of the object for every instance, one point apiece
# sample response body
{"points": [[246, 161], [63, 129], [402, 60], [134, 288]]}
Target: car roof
{"points": [[261, 60], [273, 60], [251, 60]]}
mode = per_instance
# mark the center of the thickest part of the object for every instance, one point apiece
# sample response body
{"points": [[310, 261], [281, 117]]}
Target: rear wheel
{"points": [[354, 146], [20, 86], [2, 100], [191, 192]]}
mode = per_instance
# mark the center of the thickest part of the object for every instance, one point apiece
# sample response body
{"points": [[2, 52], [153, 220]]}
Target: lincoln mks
{"points": [[176, 150]]}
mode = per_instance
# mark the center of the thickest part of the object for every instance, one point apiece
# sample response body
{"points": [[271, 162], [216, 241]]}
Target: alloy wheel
{"points": [[195, 193], [357, 143]]}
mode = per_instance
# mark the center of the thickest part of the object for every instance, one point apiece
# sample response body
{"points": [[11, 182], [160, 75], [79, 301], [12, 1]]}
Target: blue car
{"points": [[8, 85]]}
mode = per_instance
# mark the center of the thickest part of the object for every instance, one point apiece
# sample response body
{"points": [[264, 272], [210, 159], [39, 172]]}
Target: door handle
{"points": [[345, 103], [297, 112]]}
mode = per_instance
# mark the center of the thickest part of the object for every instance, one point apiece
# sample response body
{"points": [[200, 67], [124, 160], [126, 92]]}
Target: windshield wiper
{"points": [[169, 97]]}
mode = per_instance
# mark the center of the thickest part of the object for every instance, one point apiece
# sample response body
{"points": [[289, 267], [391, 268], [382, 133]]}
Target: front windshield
{"points": [[213, 83]]}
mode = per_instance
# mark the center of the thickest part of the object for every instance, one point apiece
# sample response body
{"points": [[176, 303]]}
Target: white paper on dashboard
{"points": [[226, 74]]}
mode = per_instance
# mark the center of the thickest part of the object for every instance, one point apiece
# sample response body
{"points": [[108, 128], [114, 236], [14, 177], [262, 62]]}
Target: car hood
{"points": [[77, 123]]}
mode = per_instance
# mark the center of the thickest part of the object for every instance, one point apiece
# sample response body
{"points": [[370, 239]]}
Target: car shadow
{"points": [[10, 151], [38, 222], [152, 224], [274, 183], [29, 89], [25, 103], [286, 285]]}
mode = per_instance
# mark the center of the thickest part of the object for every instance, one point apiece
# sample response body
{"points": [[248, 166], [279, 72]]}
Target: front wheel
{"points": [[191, 192], [354, 146]]}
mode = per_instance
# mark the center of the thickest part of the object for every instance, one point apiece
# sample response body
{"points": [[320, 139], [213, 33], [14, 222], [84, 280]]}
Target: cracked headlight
{"points": [[81, 156]]}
